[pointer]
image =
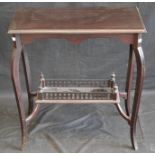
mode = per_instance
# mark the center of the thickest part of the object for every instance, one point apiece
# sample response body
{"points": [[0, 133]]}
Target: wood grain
{"points": [[77, 21]]}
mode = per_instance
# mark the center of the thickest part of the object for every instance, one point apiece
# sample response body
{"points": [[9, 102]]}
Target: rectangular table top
{"points": [[77, 21]]}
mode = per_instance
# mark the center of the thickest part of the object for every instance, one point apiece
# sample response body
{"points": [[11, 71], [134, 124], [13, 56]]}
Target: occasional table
{"points": [[77, 25]]}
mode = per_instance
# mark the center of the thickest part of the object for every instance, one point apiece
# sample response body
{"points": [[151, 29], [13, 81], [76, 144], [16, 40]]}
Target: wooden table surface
{"points": [[77, 20]]}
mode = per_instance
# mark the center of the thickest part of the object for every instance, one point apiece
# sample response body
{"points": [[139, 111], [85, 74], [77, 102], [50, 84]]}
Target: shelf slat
{"points": [[77, 91]]}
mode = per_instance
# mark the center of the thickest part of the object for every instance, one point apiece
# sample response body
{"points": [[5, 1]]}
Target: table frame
{"points": [[135, 53]]}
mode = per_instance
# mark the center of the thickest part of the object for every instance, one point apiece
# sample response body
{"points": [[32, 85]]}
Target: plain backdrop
{"points": [[77, 128]]}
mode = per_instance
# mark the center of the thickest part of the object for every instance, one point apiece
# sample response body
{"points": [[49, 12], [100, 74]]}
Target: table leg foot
{"points": [[133, 138], [24, 141]]}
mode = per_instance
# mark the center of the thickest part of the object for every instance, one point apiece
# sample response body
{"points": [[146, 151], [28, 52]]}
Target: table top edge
{"points": [[76, 31], [140, 29]]}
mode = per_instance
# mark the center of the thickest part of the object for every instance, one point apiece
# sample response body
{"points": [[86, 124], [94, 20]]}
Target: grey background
{"points": [[76, 128]]}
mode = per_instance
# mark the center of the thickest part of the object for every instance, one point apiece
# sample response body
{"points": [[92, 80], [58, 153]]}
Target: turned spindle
{"points": [[42, 81]]}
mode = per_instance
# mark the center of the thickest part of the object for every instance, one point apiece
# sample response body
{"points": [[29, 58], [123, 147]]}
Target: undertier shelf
{"points": [[77, 91]]}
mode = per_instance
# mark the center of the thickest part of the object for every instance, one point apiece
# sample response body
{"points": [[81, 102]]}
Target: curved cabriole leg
{"points": [[138, 90], [129, 80], [16, 54], [27, 73]]}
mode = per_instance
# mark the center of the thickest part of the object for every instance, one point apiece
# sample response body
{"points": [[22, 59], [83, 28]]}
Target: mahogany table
{"points": [[76, 25]]}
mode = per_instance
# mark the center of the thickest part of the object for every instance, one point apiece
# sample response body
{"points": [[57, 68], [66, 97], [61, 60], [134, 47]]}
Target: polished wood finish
{"points": [[77, 21], [140, 61], [77, 25], [129, 76], [27, 72], [15, 60]]}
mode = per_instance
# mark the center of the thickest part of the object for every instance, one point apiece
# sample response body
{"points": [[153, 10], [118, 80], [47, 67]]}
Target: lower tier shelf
{"points": [[77, 91]]}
